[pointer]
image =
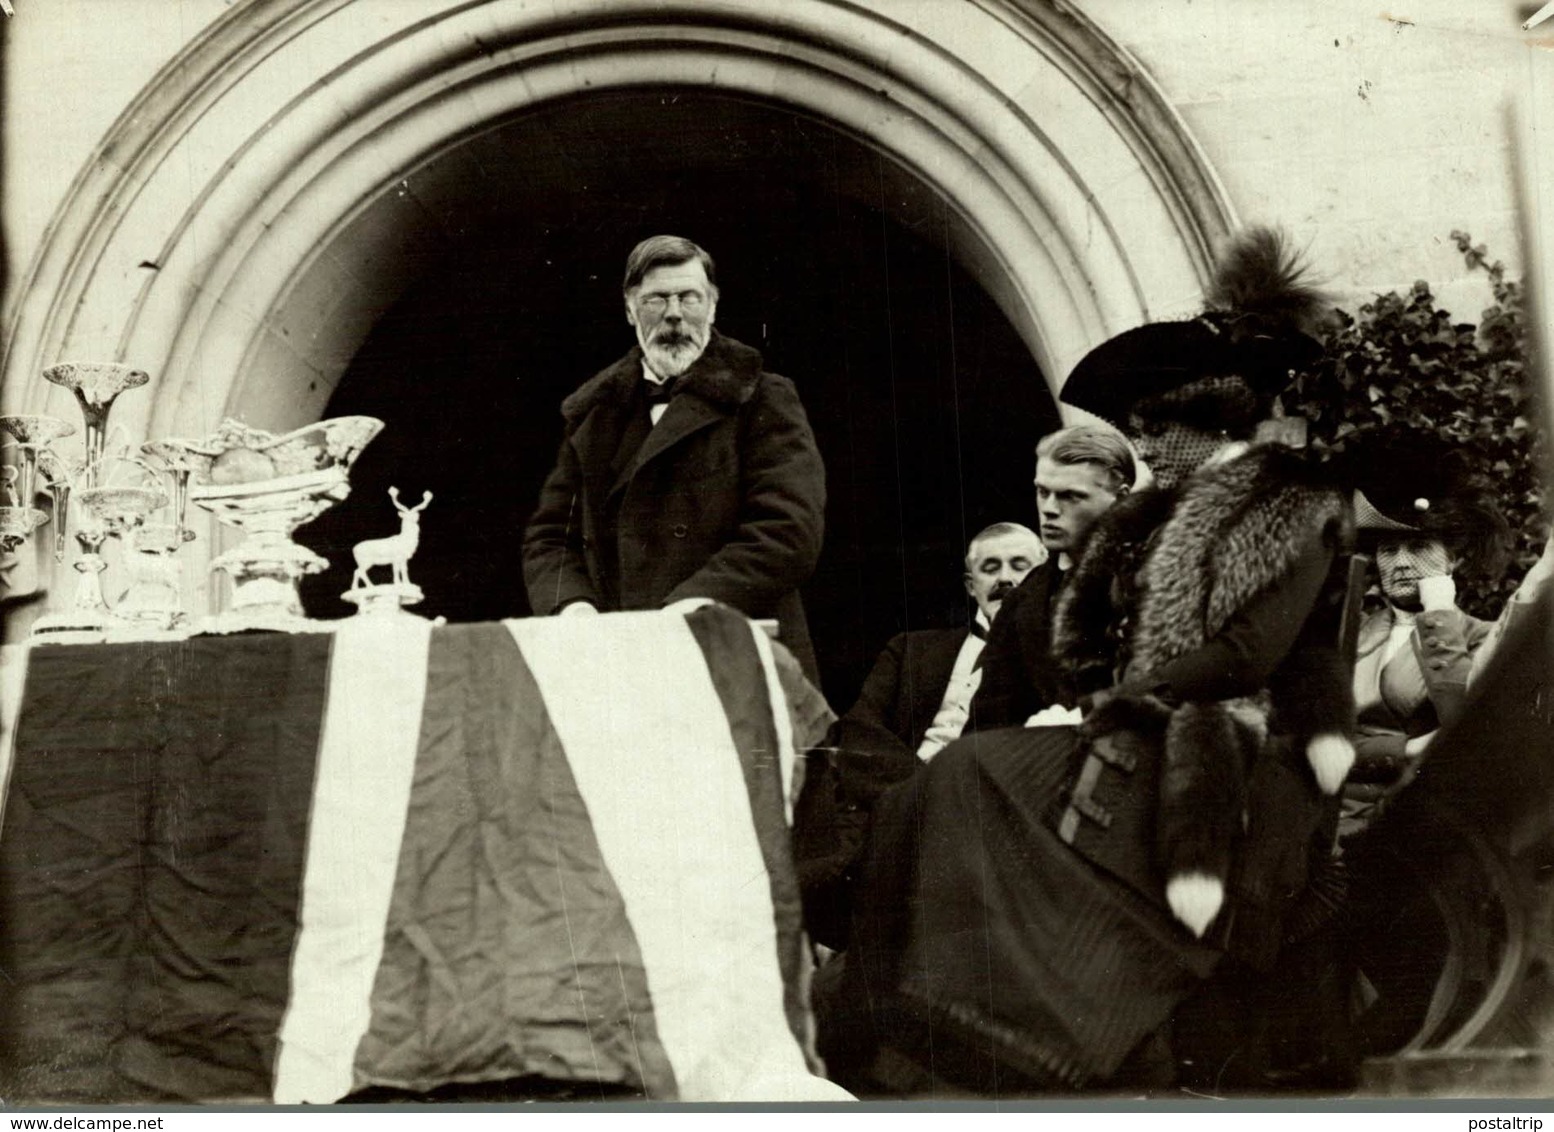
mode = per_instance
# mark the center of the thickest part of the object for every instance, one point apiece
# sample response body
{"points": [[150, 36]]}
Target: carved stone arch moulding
{"points": [[239, 229]]}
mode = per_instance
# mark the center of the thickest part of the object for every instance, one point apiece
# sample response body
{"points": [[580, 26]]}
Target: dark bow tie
{"points": [[658, 394], [977, 630]]}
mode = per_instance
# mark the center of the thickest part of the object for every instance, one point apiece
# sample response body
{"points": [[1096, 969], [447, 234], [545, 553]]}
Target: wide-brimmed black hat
{"points": [[1408, 481], [1256, 329], [1147, 364]]}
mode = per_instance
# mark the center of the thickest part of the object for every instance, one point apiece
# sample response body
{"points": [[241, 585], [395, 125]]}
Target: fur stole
{"points": [[1237, 529], [1089, 618], [1160, 576], [1164, 570]]}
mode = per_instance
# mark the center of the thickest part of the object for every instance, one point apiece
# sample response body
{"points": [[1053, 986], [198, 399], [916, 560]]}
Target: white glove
{"points": [[1056, 715], [1330, 755], [1195, 899], [578, 609]]}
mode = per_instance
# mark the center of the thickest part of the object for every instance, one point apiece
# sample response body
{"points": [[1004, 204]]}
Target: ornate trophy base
{"points": [[264, 587], [148, 624], [267, 566], [72, 627], [386, 598], [87, 620]]}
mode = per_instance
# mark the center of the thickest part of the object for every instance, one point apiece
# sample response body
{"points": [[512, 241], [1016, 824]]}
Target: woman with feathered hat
{"points": [[1036, 904], [1425, 516]]}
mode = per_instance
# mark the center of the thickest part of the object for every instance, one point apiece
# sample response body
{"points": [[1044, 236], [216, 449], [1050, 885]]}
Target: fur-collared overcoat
{"points": [[725, 498], [1205, 622]]}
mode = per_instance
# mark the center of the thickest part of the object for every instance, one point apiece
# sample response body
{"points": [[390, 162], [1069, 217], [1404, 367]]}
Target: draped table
{"points": [[292, 867]]}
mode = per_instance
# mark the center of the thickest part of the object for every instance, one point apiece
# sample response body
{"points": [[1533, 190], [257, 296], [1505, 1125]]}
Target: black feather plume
{"points": [[1261, 277]]}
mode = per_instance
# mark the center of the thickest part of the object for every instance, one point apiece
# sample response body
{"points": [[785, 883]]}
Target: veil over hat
{"points": [[1410, 482], [1256, 328]]}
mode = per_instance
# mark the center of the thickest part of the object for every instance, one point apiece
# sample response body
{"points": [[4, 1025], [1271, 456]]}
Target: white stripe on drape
{"points": [[650, 748], [366, 761]]}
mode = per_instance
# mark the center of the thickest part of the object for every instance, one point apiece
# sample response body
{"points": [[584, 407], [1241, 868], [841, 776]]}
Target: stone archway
{"points": [[265, 198]]}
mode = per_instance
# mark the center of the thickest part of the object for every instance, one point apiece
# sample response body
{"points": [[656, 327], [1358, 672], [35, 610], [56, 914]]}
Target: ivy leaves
{"points": [[1400, 358]]}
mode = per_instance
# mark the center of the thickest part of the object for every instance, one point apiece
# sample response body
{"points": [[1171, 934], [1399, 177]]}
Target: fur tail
{"points": [[1208, 747]]}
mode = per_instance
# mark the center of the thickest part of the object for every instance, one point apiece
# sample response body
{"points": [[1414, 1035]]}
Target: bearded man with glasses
{"points": [[687, 473]]}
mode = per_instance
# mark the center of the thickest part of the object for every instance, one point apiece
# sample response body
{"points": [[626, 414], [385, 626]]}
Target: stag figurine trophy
{"points": [[394, 552]]}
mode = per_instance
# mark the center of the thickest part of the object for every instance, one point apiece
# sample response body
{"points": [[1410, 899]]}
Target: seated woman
{"points": [[1426, 517], [1036, 904]]}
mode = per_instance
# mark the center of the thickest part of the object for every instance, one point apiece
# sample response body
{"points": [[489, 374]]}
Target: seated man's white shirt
{"points": [[965, 678]]}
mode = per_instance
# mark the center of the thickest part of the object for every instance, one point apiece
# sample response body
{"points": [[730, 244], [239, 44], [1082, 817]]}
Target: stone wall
{"points": [[1370, 133]]}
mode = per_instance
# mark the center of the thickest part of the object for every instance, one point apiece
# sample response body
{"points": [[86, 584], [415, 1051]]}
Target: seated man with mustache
{"points": [[687, 473], [916, 701]]}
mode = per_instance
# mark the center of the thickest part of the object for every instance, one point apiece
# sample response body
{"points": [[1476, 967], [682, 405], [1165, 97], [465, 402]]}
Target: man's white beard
{"points": [[671, 361]]}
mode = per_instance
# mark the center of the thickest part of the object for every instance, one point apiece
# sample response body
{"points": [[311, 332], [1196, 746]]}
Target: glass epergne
{"points": [[33, 436], [82, 492], [17, 524], [56, 481], [177, 462], [96, 386], [154, 597], [112, 510], [261, 484]]}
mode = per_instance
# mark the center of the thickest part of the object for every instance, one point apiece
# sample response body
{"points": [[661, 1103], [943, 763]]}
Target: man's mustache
{"points": [[673, 338], [1000, 589]]}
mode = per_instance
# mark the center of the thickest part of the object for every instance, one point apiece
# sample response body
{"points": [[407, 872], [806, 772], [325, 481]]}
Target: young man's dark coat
{"points": [[1019, 675]]}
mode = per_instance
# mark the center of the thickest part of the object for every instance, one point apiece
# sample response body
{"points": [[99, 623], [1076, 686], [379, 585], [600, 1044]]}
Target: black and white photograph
{"points": [[801, 555]]}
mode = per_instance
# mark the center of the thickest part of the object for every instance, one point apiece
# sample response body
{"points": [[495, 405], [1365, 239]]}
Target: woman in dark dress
{"points": [[1035, 904]]}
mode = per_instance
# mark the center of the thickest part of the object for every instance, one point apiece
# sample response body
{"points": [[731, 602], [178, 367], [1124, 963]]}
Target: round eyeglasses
{"points": [[690, 301]]}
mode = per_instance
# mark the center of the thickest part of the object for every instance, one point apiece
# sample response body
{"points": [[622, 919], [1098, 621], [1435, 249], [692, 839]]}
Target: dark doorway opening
{"points": [[835, 264]]}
